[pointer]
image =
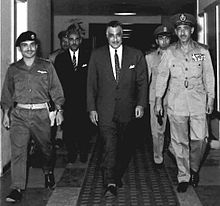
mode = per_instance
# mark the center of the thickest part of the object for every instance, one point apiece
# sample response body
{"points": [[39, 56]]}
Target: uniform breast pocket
{"points": [[19, 84], [196, 68], [176, 70], [41, 79]]}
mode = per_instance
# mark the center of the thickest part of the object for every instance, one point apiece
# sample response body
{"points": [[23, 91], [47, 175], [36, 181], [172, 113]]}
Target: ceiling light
{"points": [[127, 30], [125, 13]]}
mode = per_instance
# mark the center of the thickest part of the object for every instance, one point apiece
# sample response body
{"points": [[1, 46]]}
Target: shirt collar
{"points": [[119, 49], [76, 52], [192, 44]]}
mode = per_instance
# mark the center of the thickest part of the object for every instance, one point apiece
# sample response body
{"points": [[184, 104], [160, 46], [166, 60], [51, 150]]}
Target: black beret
{"points": [[162, 30], [183, 19], [26, 36], [62, 34]]}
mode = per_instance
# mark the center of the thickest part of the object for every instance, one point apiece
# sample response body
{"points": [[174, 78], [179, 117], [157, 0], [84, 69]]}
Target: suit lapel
{"points": [[69, 58], [109, 68], [80, 58], [124, 63]]}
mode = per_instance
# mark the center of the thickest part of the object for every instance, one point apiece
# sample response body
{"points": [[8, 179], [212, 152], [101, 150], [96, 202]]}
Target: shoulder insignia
{"points": [[43, 59], [203, 45]]}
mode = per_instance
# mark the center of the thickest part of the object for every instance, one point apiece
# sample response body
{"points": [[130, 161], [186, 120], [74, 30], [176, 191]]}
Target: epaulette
{"points": [[203, 45], [12, 64], [46, 60]]}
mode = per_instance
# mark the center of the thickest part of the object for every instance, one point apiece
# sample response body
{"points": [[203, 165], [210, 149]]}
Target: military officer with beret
{"points": [[188, 66], [162, 35], [29, 84]]}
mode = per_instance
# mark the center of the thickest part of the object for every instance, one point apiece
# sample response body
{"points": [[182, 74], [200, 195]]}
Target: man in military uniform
{"points": [[188, 66], [162, 35], [64, 45], [29, 84]]}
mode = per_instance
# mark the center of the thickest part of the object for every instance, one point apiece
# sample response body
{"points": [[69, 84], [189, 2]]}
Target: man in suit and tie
{"points": [[71, 67], [116, 94]]}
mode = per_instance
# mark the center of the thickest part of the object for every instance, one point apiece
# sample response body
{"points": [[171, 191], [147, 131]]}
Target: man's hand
{"points": [[93, 115], [6, 120], [59, 117], [158, 109], [139, 112], [210, 107]]}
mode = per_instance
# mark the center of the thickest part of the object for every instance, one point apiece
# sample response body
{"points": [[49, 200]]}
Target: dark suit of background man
{"points": [[72, 72], [114, 100]]}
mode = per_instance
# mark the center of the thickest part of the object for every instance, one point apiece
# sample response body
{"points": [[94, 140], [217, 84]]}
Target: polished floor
{"points": [[81, 183]]}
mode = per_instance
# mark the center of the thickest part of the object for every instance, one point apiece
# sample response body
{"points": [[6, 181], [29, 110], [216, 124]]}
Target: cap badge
{"points": [[32, 36], [165, 29], [182, 17]]}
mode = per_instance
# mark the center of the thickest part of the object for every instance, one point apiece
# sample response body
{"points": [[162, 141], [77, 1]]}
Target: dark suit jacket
{"points": [[73, 82], [115, 101]]}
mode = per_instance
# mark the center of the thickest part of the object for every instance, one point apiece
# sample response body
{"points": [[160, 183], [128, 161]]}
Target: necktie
{"points": [[117, 67], [74, 60]]}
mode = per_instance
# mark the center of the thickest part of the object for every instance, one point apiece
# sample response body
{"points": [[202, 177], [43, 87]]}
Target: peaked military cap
{"points": [[183, 19], [62, 34], [26, 36], [162, 30]]}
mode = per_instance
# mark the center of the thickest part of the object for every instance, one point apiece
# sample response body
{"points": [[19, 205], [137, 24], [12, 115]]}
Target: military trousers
{"points": [[188, 142], [26, 123], [158, 134]]}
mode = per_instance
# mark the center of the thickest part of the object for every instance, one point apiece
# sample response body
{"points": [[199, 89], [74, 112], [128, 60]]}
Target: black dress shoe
{"points": [[50, 181], [14, 196], [110, 190], [182, 186], [194, 179]]}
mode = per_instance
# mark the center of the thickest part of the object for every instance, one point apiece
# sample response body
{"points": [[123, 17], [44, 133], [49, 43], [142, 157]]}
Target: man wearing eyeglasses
{"points": [[162, 35]]}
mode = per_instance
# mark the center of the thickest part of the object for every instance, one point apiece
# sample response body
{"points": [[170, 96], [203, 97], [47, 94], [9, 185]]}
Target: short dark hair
{"points": [[114, 24]]}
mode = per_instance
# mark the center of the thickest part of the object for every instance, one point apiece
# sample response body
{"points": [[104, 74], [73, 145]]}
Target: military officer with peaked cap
{"points": [[188, 66], [64, 45], [28, 86], [183, 19], [162, 35]]}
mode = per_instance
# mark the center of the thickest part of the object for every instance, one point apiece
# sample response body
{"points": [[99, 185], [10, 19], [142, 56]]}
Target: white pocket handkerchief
{"points": [[132, 66], [42, 72], [84, 65]]}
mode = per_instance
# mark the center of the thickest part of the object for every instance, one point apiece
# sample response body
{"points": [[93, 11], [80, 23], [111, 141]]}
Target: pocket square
{"points": [[132, 66], [84, 65], [41, 71]]}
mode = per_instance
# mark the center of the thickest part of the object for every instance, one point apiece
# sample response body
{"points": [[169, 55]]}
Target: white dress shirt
{"points": [[76, 55], [112, 55]]}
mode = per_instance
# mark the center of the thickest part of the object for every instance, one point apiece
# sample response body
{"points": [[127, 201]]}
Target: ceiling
{"points": [[109, 7]]}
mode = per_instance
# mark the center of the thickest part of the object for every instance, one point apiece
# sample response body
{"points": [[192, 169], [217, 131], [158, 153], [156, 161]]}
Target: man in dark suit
{"points": [[71, 67], [116, 94]]}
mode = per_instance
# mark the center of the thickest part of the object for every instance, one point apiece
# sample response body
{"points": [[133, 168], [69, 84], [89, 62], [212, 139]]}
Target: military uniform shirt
{"points": [[153, 60], [191, 79], [31, 85]]}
